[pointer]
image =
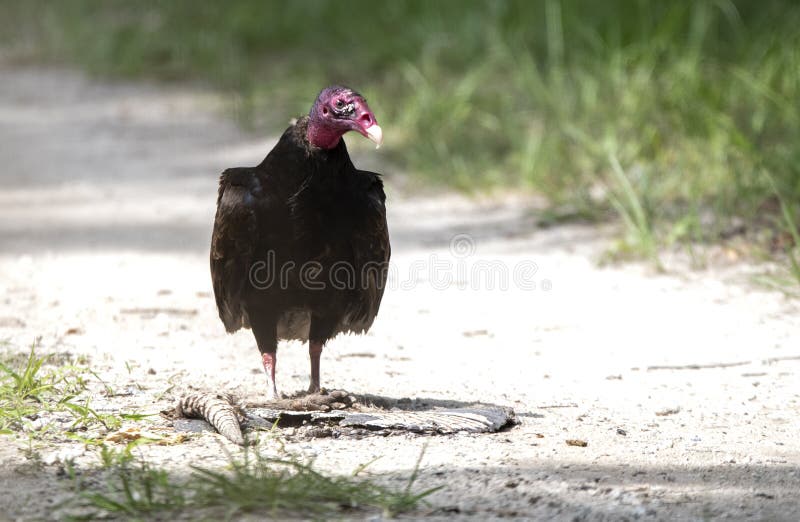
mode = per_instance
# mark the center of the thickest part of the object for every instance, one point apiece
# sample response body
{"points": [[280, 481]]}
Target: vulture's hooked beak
{"points": [[375, 133]]}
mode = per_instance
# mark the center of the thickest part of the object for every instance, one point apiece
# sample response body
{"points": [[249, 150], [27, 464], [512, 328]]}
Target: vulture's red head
{"points": [[337, 111]]}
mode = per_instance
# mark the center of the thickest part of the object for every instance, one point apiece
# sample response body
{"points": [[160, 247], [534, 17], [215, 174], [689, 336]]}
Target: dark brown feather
{"points": [[301, 204]]}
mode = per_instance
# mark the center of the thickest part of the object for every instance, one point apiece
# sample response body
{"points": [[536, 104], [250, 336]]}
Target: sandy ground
{"points": [[107, 196]]}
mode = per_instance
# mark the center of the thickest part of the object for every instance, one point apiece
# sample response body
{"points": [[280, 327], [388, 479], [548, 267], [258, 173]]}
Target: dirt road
{"points": [[107, 196]]}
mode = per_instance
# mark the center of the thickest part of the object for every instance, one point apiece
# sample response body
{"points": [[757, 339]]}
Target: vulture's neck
{"points": [[323, 137], [297, 141]]}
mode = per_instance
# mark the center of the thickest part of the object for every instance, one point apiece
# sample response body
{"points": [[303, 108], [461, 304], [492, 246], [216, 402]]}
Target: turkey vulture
{"points": [[300, 247]]}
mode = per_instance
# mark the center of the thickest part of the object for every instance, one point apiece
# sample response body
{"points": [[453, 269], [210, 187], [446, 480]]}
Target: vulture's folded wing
{"points": [[232, 243], [371, 253]]}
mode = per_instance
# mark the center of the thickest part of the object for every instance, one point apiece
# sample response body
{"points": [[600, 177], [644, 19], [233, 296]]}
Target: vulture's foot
{"points": [[272, 394], [322, 400]]}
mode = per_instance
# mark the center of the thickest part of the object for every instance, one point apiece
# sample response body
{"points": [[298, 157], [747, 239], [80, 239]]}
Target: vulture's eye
{"points": [[339, 104]]}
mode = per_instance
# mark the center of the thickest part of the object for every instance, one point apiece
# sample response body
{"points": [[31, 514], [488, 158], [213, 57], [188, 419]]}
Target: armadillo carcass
{"points": [[221, 411]]}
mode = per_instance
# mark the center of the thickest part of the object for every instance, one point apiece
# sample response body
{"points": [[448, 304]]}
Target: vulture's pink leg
{"points": [[269, 359], [314, 352]]}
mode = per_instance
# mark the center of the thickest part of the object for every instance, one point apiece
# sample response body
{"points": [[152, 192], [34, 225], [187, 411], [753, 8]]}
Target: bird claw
{"points": [[324, 400]]}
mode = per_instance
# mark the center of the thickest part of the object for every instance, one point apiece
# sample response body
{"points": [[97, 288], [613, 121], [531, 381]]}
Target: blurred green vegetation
{"points": [[679, 115]]}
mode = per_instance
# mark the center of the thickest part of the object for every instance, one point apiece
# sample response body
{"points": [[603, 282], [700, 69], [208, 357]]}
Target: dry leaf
{"points": [[133, 433]]}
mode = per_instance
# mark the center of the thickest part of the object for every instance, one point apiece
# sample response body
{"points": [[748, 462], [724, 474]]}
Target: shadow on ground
{"points": [[608, 492], [541, 491]]}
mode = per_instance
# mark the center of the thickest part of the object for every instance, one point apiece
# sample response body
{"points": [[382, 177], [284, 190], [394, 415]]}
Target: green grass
{"points": [[253, 484], [787, 278], [793, 252], [131, 488], [32, 385], [24, 388], [26, 383], [629, 204], [696, 98]]}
